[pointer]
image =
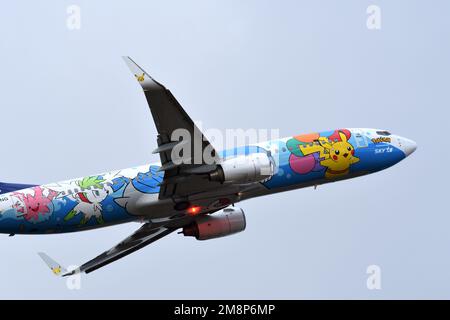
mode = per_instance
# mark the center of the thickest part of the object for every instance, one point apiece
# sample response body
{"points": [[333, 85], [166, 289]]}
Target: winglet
{"points": [[56, 268], [144, 79]]}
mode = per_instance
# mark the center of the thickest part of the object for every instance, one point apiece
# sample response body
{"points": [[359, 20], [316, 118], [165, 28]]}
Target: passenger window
{"points": [[384, 133]]}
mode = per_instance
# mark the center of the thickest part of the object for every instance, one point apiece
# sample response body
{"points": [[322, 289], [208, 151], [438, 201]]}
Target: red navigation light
{"points": [[193, 210]]}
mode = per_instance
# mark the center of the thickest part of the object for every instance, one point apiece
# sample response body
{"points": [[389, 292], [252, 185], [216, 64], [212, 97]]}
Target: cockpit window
{"points": [[383, 133]]}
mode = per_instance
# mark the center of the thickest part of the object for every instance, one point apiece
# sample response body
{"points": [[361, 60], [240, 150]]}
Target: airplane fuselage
{"points": [[133, 194]]}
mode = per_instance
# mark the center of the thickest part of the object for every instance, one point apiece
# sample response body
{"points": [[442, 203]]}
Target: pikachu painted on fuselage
{"points": [[336, 156], [340, 155]]}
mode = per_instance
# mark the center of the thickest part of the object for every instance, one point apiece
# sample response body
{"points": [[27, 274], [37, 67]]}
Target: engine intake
{"points": [[225, 223], [254, 167]]}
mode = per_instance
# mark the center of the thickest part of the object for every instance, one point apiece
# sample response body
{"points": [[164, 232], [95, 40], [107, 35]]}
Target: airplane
{"points": [[195, 192]]}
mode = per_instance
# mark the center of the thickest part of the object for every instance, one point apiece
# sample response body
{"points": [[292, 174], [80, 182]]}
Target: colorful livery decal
{"points": [[117, 196], [33, 205], [313, 152], [325, 156], [77, 204], [93, 192]]}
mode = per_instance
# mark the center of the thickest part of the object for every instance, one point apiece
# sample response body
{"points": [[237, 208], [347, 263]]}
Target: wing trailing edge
{"points": [[141, 238]]}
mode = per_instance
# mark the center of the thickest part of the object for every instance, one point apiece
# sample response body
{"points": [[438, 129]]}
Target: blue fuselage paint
{"points": [[107, 199]]}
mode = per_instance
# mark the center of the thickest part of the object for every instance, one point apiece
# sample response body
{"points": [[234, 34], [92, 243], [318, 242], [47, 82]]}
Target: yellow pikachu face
{"points": [[56, 270], [141, 77], [341, 152]]}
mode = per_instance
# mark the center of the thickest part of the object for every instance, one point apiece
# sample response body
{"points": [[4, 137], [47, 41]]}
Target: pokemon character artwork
{"points": [[116, 196], [333, 154], [80, 203], [93, 192], [33, 205]]}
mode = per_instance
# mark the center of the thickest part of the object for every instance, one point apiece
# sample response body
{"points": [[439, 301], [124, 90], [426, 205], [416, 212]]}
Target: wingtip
{"points": [[55, 267], [144, 79]]}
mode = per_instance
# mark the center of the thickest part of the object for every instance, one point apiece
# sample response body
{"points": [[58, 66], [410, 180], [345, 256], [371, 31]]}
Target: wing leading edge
{"points": [[185, 178]]}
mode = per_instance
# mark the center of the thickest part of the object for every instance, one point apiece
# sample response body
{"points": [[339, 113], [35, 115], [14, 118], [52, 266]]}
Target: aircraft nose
{"points": [[408, 146]]}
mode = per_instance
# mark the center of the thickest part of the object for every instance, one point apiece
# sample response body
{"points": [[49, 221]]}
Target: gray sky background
{"points": [[71, 108]]}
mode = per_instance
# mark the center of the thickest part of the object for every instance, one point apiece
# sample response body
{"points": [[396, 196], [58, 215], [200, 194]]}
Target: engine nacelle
{"points": [[254, 167], [225, 223]]}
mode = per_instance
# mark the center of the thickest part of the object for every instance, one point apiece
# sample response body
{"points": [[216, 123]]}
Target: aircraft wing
{"points": [[188, 177], [141, 238]]}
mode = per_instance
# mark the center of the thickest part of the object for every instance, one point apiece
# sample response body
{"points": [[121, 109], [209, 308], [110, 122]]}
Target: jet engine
{"points": [[225, 223], [250, 168]]}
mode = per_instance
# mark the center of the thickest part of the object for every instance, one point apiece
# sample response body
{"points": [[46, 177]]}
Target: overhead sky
{"points": [[71, 108]]}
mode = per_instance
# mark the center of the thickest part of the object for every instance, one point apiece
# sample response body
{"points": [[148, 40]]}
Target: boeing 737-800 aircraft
{"points": [[187, 192]]}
